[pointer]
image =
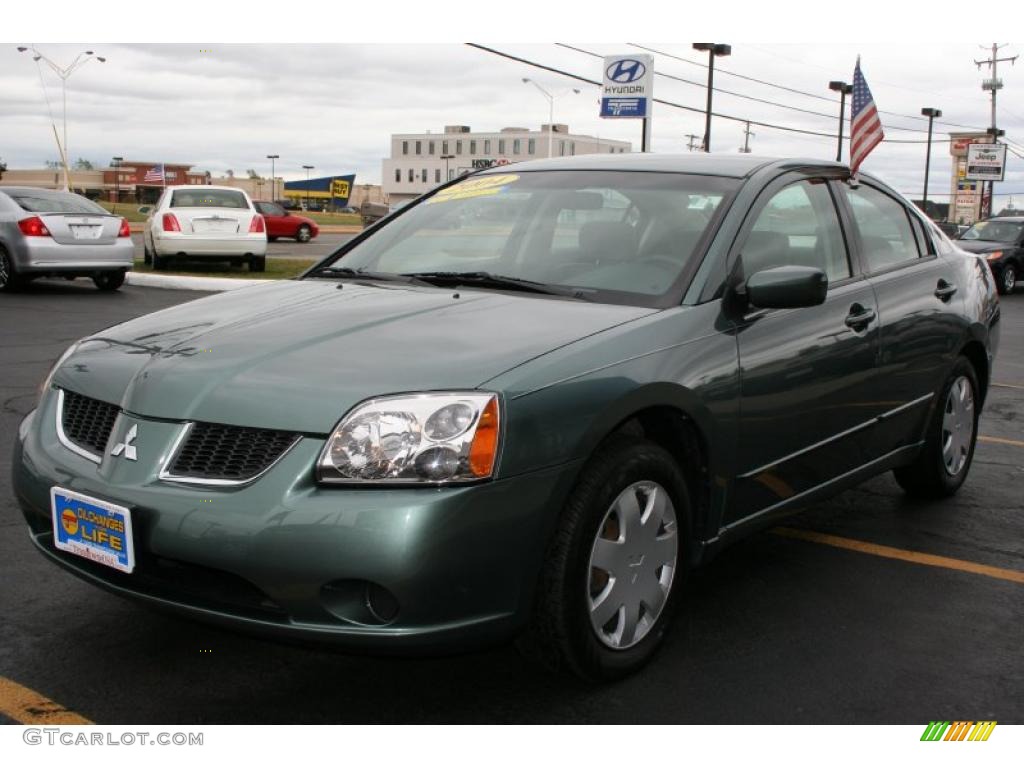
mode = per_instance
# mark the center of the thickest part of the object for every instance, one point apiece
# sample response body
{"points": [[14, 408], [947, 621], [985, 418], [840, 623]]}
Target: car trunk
{"points": [[82, 228], [211, 223]]}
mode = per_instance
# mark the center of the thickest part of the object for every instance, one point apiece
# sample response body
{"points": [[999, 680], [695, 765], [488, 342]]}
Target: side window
{"points": [[885, 232], [924, 243], [798, 226]]}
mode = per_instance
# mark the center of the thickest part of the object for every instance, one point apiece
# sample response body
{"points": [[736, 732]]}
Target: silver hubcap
{"points": [[958, 426], [303, 234], [631, 565], [1009, 278], [5, 272]]}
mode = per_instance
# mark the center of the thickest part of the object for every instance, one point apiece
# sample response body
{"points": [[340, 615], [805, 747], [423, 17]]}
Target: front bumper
{"points": [[270, 557], [174, 244]]}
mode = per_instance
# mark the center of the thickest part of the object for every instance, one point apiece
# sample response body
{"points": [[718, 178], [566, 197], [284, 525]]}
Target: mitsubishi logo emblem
{"points": [[126, 447]]}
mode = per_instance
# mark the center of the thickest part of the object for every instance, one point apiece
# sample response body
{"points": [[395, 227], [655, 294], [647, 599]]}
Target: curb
{"points": [[186, 283]]}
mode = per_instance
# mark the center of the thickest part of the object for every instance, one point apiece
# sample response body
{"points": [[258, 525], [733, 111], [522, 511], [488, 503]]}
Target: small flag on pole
{"points": [[865, 127], [156, 173]]}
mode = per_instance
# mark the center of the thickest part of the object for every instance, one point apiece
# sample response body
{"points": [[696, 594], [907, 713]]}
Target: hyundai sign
{"points": [[628, 87]]}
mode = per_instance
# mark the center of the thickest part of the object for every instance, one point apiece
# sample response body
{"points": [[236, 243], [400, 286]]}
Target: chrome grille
{"points": [[219, 452], [86, 422]]}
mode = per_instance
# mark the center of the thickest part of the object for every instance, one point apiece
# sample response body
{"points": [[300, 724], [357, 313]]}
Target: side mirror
{"points": [[145, 209], [787, 287]]}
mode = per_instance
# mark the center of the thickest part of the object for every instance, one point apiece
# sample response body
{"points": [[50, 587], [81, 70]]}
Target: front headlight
{"points": [[44, 385], [429, 438]]}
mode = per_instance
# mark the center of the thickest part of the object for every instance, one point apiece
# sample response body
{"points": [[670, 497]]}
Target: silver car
{"points": [[44, 233]]}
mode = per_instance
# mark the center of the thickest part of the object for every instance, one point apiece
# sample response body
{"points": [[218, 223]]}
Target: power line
{"points": [[793, 90]]}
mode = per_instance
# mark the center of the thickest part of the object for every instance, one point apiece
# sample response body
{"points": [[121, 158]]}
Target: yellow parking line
{"points": [[921, 558], [1001, 441], [31, 708]]}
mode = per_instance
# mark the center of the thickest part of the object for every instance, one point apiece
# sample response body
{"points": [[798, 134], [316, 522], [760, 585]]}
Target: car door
{"points": [[919, 310], [276, 219], [805, 374]]}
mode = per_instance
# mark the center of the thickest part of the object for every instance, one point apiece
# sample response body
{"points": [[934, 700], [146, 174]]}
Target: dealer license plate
{"points": [[91, 528]]}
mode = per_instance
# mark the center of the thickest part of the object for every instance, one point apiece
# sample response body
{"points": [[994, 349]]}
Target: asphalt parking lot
{"points": [[864, 609]]}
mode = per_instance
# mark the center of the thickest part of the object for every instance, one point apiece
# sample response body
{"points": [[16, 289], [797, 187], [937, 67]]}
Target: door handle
{"points": [[860, 317], [944, 291]]}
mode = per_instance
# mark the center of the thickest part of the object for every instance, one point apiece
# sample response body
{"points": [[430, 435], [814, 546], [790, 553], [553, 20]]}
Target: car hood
{"points": [[983, 246], [297, 355]]}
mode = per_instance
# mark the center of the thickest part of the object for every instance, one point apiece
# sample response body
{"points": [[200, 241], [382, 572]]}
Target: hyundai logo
{"points": [[626, 71]]}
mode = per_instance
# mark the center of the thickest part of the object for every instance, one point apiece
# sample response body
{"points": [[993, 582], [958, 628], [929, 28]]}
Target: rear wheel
{"points": [[147, 255], [109, 281], [616, 565], [258, 264], [160, 262], [945, 459], [1007, 279], [271, 239], [304, 234], [9, 278]]}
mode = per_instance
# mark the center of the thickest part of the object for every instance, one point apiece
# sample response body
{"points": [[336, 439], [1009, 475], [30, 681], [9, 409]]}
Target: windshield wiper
{"points": [[362, 274], [489, 279]]}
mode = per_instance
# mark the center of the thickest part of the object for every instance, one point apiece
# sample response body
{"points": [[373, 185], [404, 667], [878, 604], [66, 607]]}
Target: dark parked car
{"points": [[466, 426], [1001, 242], [281, 223]]}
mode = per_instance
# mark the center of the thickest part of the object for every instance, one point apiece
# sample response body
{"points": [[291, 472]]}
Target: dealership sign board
{"points": [[628, 87], [986, 162]]}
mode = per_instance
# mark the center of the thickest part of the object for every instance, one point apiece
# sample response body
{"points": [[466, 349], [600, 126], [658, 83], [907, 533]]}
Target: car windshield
{"points": [[994, 231], [208, 198], [621, 237], [57, 202]]}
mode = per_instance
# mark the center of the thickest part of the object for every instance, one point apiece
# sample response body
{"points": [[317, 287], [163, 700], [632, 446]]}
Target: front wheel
{"points": [[304, 234], [616, 565], [1007, 279], [945, 459]]}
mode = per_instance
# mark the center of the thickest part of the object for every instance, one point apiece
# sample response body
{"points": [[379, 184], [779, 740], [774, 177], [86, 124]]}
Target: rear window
{"points": [[208, 198], [55, 203]]}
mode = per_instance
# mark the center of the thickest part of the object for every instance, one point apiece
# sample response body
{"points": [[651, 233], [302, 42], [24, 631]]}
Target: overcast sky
{"points": [[334, 106]]}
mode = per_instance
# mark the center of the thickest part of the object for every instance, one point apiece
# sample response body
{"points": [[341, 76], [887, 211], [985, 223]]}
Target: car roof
{"points": [[1011, 219], [38, 190], [737, 165]]}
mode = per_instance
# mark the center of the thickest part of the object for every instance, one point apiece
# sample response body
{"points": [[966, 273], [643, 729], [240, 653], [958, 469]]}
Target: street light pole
{"points": [[64, 73], [273, 178], [308, 169], [931, 113], [117, 181], [551, 109], [844, 89], [713, 49]]}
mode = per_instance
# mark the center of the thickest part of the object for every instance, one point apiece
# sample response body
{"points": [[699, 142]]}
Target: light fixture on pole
{"points": [[64, 73], [713, 49], [308, 169], [273, 178], [844, 90], [446, 158], [931, 113], [116, 162], [551, 108]]}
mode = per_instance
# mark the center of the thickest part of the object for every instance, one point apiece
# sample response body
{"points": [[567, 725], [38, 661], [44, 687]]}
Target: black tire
{"points": [[928, 477], [1007, 278], [161, 262], [147, 255], [271, 239], [304, 234], [109, 281], [258, 264], [10, 280], [561, 634]]}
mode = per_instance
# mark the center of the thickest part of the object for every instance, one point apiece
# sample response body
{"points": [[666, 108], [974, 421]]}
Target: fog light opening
{"points": [[381, 604]]}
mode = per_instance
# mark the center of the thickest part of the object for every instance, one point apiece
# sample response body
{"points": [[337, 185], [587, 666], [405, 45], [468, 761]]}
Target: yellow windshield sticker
{"points": [[481, 187]]}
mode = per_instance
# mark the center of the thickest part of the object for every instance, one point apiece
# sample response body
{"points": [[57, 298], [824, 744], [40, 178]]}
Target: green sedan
{"points": [[525, 406]]}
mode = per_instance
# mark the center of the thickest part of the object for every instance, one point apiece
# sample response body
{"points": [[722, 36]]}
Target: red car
{"points": [[281, 223]]}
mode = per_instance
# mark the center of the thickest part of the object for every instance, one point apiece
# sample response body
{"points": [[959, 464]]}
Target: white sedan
{"points": [[207, 223]]}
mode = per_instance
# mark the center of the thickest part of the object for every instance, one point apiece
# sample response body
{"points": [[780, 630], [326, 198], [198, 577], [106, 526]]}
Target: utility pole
{"points": [[992, 84], [745, 149], [713, 50], [693, 144]]}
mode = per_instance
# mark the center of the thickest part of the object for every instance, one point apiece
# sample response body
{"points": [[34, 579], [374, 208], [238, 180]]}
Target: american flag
{"points": [[865, 127], [156, 173]]}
